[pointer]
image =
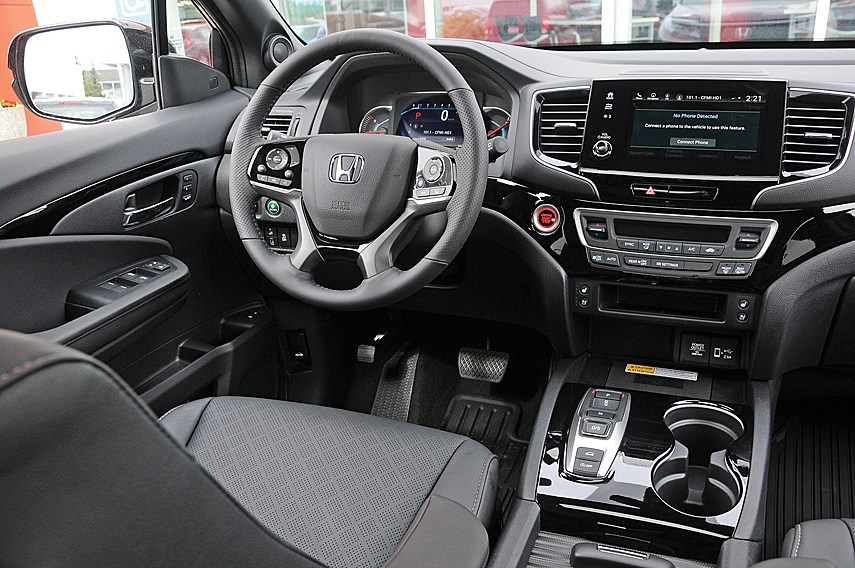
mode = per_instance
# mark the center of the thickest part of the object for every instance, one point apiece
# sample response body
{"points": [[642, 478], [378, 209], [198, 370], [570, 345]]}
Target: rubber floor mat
{"points": [[493, 423], [811, 471]]}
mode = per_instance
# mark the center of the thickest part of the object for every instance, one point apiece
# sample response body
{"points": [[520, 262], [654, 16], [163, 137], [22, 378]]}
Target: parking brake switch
{"points": [[596, 433]]}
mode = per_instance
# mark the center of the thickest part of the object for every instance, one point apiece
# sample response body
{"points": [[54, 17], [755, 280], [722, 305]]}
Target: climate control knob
{"points": [[602, 149]]}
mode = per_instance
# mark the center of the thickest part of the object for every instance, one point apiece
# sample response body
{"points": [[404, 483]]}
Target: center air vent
{"points": [[816, 133], [277, 123], [560, 118]]}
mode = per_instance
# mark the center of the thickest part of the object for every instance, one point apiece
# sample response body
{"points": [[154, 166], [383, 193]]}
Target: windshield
{"points": [[545, 23]]}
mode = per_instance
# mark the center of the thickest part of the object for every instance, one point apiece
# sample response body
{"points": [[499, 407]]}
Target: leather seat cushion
{"points": [[343, 487], [824, 539]]}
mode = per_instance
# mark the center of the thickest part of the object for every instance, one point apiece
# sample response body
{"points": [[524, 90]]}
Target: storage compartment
{"points": [[695, 304], [235, 354], [695, 476]]}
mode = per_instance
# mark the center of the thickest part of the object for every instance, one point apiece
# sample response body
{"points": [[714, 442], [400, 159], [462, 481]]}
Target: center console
{"points": [[646, 465]]}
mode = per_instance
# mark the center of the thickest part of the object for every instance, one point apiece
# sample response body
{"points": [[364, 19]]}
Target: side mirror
{"points": [[84, 73]]}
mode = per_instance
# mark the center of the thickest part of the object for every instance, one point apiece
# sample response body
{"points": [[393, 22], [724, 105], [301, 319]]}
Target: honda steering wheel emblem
{"points": [[346, 168]]}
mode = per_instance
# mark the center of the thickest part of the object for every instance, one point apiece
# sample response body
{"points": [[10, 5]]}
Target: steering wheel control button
{"points": [[433, 170], [422, 193], [602, 149], [273, 208], [546, 219], [277, 159]]}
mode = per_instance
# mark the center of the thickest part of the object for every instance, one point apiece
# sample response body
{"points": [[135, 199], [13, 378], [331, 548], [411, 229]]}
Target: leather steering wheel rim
{"points": [[462, 209]]}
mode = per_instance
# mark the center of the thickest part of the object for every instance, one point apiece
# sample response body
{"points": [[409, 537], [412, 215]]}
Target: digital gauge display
{"points": [[429, 117]]}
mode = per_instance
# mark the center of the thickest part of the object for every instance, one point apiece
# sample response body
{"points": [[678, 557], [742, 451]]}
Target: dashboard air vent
{"points": [[560, 126], [280, 123], [816, 132]]}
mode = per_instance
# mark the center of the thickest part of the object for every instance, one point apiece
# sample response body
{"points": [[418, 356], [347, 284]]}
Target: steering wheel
{"points": [[358, 196]]}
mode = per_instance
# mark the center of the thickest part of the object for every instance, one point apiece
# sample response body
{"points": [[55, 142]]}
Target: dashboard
{"points": [[666, 186]]}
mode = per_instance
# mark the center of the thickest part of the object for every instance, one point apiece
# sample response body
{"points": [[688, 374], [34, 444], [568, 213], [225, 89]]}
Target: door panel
{"points": [[39, 272], [37, 171], [74, 190]]}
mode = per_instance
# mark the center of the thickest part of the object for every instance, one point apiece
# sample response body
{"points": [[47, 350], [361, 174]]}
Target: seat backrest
{"points": [[88, 477]]}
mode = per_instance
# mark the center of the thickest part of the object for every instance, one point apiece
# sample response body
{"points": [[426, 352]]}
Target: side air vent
{"points": [[278, 123], [560, 118], [816, 133]]}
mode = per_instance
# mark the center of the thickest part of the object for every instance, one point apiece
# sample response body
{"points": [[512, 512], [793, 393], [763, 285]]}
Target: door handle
{"points": [[131, 216]]}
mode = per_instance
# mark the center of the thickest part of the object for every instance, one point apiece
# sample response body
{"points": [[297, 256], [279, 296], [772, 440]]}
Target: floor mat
{"points": [[811, 470], [493, 423]]}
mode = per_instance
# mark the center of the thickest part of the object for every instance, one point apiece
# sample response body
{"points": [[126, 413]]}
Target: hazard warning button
{"points": [[650, 190]]}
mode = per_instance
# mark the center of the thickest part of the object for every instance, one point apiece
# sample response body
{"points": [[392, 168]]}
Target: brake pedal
{"points": [[482, 364]]}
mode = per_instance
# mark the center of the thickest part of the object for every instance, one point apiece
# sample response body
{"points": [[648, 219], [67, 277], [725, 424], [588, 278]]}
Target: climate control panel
{"points": [[673, 245]]}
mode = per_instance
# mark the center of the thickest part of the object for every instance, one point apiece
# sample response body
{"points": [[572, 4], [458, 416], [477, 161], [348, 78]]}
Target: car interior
{"points": [[375, 300]]}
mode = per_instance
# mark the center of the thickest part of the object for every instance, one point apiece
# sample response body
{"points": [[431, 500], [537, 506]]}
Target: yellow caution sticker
{"points": [[662, 372]]}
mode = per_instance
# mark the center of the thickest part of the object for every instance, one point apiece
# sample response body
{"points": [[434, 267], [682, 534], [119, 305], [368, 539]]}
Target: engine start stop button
{"points": [[546, 219]]}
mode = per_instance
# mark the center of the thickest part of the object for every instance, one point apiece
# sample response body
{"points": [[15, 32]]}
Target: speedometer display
{"points": [[435, 120]]}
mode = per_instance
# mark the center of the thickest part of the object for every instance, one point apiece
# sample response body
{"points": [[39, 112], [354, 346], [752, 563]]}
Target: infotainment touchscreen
{"points": [[710, 128]]}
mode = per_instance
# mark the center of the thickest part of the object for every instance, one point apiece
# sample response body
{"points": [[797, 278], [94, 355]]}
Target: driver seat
{"points": [[89, 477]]}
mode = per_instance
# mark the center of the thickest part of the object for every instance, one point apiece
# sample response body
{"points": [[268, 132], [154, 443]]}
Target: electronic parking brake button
{"points": [[589, 454]]}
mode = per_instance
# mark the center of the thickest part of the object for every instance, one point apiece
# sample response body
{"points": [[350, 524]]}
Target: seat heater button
{"points": [[596, 428], [585, 467], [589, 454]]}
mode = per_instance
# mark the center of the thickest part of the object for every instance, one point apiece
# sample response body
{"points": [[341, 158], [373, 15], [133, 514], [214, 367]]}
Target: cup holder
{"points": [[695, 477]]}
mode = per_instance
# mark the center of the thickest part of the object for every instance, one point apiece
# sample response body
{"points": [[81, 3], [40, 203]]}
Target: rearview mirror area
{"points": [[84, 73]]}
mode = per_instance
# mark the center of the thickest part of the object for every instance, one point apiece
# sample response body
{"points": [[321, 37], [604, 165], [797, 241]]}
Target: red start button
{"points": [[546, 219]]}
